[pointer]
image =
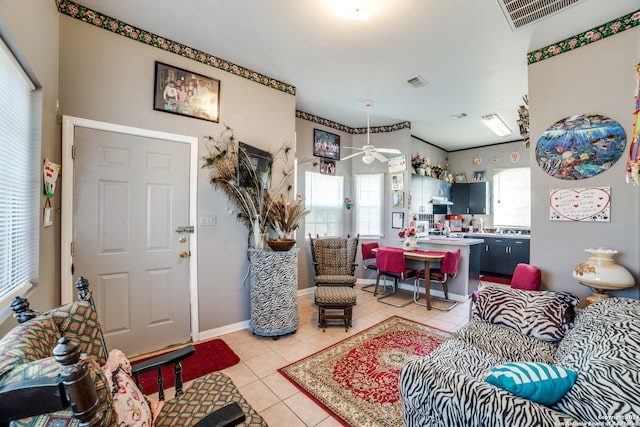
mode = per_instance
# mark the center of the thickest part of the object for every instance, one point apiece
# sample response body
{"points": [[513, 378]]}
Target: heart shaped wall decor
{"points": [[580, 204]]}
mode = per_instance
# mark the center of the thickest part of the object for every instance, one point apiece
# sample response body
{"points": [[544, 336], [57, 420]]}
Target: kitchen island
{"points": [[466, 281]]}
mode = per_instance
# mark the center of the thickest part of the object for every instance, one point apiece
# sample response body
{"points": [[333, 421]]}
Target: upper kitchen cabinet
{"points": [[470, 198], [424, 189]]}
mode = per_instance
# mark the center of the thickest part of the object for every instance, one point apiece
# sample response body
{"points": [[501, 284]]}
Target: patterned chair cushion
{"points": [[28, 342], [604, 348], [545, 315], [211, 392], [334, 256], [335, 295], [335, 279], [79, 320]]}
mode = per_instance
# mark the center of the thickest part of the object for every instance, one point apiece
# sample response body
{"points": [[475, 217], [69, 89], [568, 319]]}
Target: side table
{"points": [[274, 292]]}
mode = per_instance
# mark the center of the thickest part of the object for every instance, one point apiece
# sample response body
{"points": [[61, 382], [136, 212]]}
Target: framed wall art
{"points": [[326, 144], [397, 199], [260, 161], [580, 204], [186, 93], [328, 167], [397, 182], [397, 219], [478, 176], [461, 177]]}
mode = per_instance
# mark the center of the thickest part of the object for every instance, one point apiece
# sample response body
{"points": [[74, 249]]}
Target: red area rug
{"points": [[210, 356], [356, 379]]}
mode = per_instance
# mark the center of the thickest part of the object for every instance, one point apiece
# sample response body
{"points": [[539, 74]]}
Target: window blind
{"points": [[324, 198], [19, 177], [369, 192]]}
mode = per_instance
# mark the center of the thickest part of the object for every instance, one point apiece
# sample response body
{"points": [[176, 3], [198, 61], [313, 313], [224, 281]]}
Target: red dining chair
{"points": [[390, 262], [369, 261], [448, 269]]}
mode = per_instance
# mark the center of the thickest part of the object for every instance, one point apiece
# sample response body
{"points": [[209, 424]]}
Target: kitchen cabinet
{"points": [[470, 198], [502, 254], [424, 188]]}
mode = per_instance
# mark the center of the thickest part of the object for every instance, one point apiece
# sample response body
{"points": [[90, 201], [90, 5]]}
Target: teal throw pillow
{"points": [[545, 384]]}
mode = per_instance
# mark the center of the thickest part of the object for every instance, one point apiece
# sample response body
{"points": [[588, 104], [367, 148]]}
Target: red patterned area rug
{"points": [[357, 379], [213, 355]]}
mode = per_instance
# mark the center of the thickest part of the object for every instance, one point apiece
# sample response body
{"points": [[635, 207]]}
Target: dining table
{"points": [[426, 256]]}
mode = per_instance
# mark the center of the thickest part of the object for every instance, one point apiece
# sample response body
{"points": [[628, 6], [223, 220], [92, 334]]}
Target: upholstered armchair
{"points": [[334, 260], [55, 370]]}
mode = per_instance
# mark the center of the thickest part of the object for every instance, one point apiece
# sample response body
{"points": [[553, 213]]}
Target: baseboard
{"points": [[213, 333]]}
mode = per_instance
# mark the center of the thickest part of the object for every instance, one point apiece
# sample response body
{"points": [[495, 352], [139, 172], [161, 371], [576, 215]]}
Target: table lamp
{"points": [[601, 273]]}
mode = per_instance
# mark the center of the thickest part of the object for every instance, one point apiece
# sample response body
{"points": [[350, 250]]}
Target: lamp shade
{"points": [[601, 272], [368, 158]]}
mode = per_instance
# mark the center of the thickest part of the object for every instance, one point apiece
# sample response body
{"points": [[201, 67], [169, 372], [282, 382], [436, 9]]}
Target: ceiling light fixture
{"points": [[368, 158], [495, 123], [356, 10]]}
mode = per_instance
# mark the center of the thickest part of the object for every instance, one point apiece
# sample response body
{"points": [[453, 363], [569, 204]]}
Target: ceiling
{"points": [[465, 49]]}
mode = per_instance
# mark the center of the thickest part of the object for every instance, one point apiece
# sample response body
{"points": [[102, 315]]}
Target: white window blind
{"points": [[369, 191], [20, 172], [512, 197], [324, 199]]}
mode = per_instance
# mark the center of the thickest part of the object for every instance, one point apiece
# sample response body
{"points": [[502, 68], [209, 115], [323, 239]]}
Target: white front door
{"points": [[131, 198]]}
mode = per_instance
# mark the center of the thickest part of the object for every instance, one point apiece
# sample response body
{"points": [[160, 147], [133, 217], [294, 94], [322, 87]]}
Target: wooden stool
{"points": [[335, 298]]}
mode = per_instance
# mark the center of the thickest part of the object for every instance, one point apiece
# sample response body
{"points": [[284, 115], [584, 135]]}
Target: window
{"points": [[512, 197], [324, 198], [20, 173], [369, 191]]}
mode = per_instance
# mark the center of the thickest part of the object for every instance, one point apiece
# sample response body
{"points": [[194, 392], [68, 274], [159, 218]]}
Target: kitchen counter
{"points": [[457, 241], [466, 281], [501, 235]]}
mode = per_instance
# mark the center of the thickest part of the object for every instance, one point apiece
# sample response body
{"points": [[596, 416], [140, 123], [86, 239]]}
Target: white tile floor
{"points": [[274, 397]]}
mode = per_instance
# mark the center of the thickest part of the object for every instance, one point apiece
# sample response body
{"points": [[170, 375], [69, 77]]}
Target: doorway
{"points": [[129, 199]]}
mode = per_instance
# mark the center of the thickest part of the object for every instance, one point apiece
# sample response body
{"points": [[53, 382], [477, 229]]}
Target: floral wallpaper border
{"points": [[357, 131], [600, 32], [89, 16]]}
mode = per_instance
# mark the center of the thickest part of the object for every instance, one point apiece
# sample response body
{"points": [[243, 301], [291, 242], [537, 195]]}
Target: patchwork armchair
{"points": [[55, 371]]}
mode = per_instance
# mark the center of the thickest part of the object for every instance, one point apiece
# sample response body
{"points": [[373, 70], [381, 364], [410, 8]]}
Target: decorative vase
{"points": [[602, 273], [410, 243]]}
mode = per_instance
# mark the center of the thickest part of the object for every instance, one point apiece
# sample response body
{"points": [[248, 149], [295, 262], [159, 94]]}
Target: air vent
{"points": [[520, 13], [417, 81]]}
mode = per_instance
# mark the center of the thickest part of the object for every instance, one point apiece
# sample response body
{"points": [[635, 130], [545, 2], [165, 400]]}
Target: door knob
{"points": [[185, 254]]}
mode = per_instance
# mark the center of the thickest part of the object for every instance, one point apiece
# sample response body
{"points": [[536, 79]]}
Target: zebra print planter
{"points": [[274, 292]]}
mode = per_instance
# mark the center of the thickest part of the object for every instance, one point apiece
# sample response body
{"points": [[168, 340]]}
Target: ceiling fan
{"points": [[370, 152]]}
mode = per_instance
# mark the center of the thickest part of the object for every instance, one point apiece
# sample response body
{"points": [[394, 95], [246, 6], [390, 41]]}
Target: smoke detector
{"points": [[416, 81], [520, 13]]}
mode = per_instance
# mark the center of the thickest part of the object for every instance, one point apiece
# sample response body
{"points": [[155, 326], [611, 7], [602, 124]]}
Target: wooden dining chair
{"points": [[448, 269]]}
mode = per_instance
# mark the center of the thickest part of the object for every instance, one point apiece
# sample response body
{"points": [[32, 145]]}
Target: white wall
{"points": [[107, 77], [598, 78]]}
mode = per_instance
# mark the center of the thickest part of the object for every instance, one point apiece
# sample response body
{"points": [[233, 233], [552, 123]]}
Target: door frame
{"points": [[69, 124]]}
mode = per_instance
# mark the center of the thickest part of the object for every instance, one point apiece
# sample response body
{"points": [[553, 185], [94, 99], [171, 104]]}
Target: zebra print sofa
{"points": [[448, 387]]}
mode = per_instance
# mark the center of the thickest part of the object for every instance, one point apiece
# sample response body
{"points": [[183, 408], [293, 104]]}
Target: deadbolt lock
{"points": [[185, 254], [183, 239]]}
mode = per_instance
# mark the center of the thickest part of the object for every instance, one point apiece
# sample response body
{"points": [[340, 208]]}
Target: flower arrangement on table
{"points": [[258, 205], [409, 234]]}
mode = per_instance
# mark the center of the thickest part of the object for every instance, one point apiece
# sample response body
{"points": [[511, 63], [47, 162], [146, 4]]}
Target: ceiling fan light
{"points": [[495, 123], [368, 158]]}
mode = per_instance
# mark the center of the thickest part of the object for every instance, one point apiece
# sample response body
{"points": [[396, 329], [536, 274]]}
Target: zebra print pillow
{"points": [[545, 315]]}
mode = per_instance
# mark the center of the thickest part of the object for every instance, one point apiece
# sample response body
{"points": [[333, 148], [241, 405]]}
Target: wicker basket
{"points": [[281, 245]]}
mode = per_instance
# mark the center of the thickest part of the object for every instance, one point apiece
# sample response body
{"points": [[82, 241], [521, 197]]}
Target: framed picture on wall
{"points": [[328, 167], [397, 199], [260, 162], [397, 219], [478, 176], [326, 144], [461, 177], [397, 182], [186, 93]]}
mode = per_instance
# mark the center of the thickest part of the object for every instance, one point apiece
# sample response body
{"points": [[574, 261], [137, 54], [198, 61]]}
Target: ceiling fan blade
{"points": [[380, 156], [352, 155], [389, 150], [354, 148]]}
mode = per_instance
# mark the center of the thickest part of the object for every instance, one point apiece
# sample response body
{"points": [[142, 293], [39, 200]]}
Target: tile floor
{"points": [[274, 397]]}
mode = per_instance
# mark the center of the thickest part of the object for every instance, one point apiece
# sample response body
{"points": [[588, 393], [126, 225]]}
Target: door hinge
{"points": [[71, 248], [73, 152]]}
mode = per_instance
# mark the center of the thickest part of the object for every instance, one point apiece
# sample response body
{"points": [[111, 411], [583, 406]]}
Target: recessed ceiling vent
{"points": [[520, 13], [416, 81]]}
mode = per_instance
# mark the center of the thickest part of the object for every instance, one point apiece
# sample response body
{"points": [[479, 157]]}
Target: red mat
{"points": [[210, 356], [496, 279]]}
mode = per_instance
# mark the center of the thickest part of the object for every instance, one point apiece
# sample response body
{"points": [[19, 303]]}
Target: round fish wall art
{"points": [[580, 147]]}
